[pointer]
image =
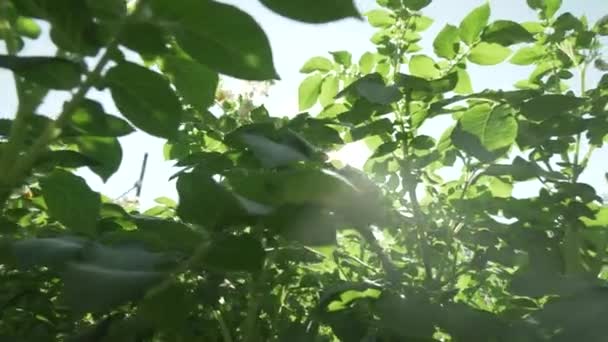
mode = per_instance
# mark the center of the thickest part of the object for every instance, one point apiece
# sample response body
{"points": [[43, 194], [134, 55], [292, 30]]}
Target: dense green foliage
{"points": [[270, 239]]}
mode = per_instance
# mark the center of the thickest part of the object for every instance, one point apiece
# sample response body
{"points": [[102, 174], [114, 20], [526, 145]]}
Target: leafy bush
{"points": [[271, 240]]}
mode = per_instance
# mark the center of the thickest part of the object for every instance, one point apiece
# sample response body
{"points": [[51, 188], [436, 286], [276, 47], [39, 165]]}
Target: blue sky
{"points": [[293, 43]]}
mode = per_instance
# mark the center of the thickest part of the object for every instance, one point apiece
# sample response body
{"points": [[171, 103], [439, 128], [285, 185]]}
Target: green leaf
{"points": [[89, 118], [367, 62], [447, 42], [423, 66], [495, 128], [146, 38], [173, 235], [464, 82], [343, 58], [473, 24], [416, 5], [214, 34], [313, 11], [234, 253], [488, 53], [27, 27], [422, 23], [318, 186], [546, 106], [203, 201], [145, 98], [382, 126], [380, 18], [528, 55], [506, 33], [270, 153], [309, 91], [66, 159], [52, 252], [49, 72], [372, 88], [317, 64], [548, 7], [71, 201], [329, 90], [106, 151], [195, 82], [93, 288]]}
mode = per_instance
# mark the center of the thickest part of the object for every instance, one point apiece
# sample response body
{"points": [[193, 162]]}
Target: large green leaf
{"points": [[94, 288], [329, 90], [71, 201], [194, 82], [146, 38], [546, 106], [106, 151], [203, 201], [367, 62], [423, 66], [484, 131], [314, 11], [308, 224], [234, 253], [89, 118], [488, 53], [317, 64], [380, 18], [547, 7], [464, 82], [272, 154], [506, 33], [447, 42], [145, 98], [307, 186], [377, 127], [220, 36], [65, 158], [49, 72], [495, 128], [170, 234], [473, 24], [528, 55], [51, 252], [372, 88], [309, 91], [343, 58]]}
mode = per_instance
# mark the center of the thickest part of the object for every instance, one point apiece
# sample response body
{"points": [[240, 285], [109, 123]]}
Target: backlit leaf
{"points": [[49, 72], [317, 64], [488, 53], [145, 98], [473, 24], [309, 91], [447, 42], [71, 201], [313, 11]]}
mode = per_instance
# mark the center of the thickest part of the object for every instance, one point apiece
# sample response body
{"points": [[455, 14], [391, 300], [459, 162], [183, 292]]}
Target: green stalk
{"points": [[572, 241], [226, 337], [250, 325]]}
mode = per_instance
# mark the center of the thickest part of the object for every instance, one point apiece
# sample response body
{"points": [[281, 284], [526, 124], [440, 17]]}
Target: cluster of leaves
{"points": [[270, 240]]}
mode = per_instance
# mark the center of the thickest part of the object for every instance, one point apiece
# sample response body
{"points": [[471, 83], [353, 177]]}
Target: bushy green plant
{"points": [[270, 240]]}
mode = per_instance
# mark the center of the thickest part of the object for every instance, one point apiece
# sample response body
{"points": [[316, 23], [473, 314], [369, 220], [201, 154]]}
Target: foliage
{"points": [[271, 240]]}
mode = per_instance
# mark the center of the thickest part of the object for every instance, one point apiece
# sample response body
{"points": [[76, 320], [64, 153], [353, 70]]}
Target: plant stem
{"points": [[226, 337], [250, 328]]}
